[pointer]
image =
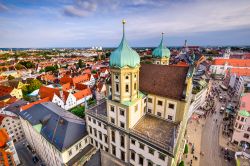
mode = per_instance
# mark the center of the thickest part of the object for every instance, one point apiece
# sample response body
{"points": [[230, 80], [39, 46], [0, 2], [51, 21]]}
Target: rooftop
{"points": [[60, 127], [157, 131], [163, 80], [232, 62], [99, 109]]}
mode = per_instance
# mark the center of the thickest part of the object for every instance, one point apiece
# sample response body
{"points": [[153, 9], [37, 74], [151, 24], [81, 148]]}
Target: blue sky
{"points": [[83, 23]]}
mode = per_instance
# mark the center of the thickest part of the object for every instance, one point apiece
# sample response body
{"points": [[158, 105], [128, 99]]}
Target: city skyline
{"points": [[84, 23]]}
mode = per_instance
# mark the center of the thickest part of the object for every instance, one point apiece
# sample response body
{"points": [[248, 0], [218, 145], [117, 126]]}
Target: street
{"points": [[210, 138], [24, 154]]}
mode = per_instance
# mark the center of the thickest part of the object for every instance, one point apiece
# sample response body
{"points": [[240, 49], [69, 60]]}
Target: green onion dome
{"points": [[161, 51], [124, 55]]}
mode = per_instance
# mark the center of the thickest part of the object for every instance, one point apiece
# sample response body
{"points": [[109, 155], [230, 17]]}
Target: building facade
{"points": [[140, 122]]}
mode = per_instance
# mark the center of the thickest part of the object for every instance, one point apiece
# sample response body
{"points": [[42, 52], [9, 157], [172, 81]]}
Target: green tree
{"points": [[34, 85], [78, 111], [210, 58], [186, 149], [10, 77], [181, 163], [80, 63]]}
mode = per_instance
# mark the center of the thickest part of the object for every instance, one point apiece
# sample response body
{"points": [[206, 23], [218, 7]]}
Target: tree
{"points": [[79, 111], [181, 163], [186, 149], [34, 85], [10, 77], [210, 58], [80, 64]]}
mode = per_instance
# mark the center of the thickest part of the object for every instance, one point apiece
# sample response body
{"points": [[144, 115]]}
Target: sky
{"points": [[85, 23]]}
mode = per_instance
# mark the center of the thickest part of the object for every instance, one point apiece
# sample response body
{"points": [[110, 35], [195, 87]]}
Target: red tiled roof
{"points": [[4, 137], [11, 100], [49, 77], [240, 71], [66, 86], [25, 107], [4, 90], [48, 92], [80, 86], [83, 93], [181, 63], [232, 62], [1, 119]]}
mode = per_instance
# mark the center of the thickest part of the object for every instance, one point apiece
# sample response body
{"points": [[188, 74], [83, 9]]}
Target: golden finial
{"points": [[123, 21]]}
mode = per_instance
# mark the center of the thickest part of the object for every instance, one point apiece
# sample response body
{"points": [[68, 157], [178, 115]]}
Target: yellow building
{"points": [[143, 119]]}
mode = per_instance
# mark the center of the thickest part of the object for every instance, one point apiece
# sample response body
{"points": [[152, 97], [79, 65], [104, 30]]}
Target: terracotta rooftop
{"points": [[240, 71], [4, 90], [83, 93], [25, 107], [4, 137], [163, 80], [232, 62], [48, 92]]}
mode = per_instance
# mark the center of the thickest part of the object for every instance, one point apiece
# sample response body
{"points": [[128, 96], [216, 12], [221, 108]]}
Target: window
{"points": [[99, 124], [159, 102], [122, 140], [238, 118], [239, 126], [246, 135], [112, 120], [162, 156], [134, 86], [135, 76], [95, 132], [133, 141], [94, 121], [242, 119], [101, 146], [90, 129], [248, 129], [116, 77], [90, 119], [151, 151], [126, 77], [105, 126], [96, 143], [171, 106], [170, 117], [76, 147], [113, 135], [149, 110], [106, 149], [122, 156], [132, 156], [112, 108], [150, 100], [113, 150], [106, 138], [150, 163], [158, 113], [127, 89], [141, 159], [70, 152], [91, 139], [142, 146], [122, 112], [100, 135], [117, 87], [122, 125]]}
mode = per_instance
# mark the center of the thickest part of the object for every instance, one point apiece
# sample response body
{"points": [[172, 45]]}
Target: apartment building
{"points": [[241, 134], [56, 135]]}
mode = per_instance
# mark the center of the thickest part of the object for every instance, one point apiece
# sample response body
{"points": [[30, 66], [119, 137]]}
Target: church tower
{"points": [[161, 54], [125, 95]]}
